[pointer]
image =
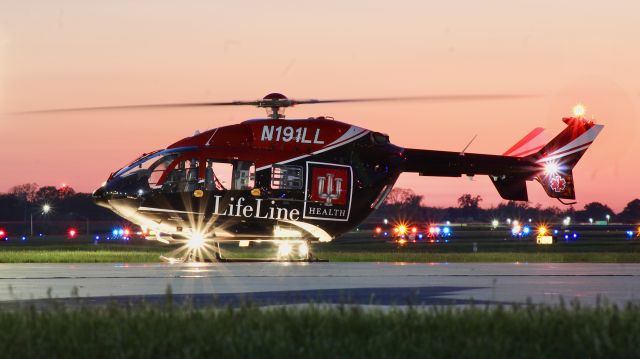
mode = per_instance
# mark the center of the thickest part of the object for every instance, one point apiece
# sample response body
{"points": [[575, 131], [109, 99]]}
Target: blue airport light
{"points": [[629, 234], [386, 234], [555, 231], [115, 232], [24, 238], [526, 230], [420, 236], [446, 230], [120, 231], [575, 235]]}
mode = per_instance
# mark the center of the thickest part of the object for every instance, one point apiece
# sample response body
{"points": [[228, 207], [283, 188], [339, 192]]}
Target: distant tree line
{"points": [[406, 203], [26, 200]]}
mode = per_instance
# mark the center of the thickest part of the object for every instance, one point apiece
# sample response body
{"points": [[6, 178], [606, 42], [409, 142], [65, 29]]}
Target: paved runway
{"points": [[290, 283]]}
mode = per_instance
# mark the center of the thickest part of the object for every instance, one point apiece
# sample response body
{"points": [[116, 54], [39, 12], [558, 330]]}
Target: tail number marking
{"points": [[288, 134]]}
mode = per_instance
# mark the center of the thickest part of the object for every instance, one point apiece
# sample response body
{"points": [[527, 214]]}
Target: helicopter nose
{"points": [[100, 197]]}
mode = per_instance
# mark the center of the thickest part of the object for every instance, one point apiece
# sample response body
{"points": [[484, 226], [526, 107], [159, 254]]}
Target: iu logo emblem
{"points": [[558, 184], [333, 191], [328, 191]]}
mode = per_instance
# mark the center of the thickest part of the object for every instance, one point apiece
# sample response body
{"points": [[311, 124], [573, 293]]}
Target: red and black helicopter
{"points": [[310, 179]]}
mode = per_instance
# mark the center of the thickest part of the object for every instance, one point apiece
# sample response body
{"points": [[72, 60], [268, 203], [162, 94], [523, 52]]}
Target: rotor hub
{"points": [[275, 103]]}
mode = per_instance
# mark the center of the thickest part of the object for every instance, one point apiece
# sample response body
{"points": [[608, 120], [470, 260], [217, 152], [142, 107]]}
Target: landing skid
{"points": [[215, 254]]}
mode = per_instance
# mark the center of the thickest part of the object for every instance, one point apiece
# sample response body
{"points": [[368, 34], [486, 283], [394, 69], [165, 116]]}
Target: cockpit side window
{"points": [[158, 168], [184, 176]]}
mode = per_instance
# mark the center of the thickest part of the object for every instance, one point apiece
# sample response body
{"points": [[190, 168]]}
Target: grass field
{"points": [[320, 332], [355, 249]]}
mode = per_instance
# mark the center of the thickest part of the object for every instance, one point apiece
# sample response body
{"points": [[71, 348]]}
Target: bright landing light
{"points": [[579, 110], [303, 250], [284, 249], [196, 241]]}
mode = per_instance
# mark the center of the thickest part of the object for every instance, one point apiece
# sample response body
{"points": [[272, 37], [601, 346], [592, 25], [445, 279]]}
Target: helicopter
{"points": [[297, 181]]}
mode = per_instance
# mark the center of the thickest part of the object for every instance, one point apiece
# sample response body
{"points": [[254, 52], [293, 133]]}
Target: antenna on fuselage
{"points": [[468, 144]]}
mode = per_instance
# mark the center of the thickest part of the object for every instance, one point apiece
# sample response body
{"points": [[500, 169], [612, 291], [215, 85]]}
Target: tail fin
{"points": [[561, 154]]}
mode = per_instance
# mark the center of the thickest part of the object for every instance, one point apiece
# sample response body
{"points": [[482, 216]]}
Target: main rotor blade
{"points": [[142, 107], [288, 102], [430, 98]]}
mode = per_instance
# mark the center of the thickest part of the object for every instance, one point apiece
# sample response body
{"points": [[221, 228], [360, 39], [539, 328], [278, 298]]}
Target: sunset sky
{"points": [[58, 54]]}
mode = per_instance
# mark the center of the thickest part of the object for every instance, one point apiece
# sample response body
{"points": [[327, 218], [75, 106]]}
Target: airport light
{"points": [[495, 223], [566, 221], [72, 232], [46, 208], [401, 229], [608, 218], [542, 230], [591, 220]]}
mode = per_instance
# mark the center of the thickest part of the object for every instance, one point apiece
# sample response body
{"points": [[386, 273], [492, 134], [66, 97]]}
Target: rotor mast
{"points": [[275, 103]]}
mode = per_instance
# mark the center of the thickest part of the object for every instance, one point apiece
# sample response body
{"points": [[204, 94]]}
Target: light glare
{"points": [[196, 241], [579, 110]]}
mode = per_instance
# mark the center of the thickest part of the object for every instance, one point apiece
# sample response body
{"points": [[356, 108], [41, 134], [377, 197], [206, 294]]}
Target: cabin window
{"points": [[244, 175], [220, 176], [286, 177], [183, 177]]}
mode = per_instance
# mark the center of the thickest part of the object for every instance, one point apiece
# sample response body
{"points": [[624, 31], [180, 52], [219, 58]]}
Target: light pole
{"points": [[44, 210]]}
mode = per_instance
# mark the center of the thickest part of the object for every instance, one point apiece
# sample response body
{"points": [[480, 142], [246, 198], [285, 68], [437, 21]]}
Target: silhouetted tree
{"points": [[400, 196], [631, 213], [594, 210], [46, 194], [469, 205], [25, 192]]}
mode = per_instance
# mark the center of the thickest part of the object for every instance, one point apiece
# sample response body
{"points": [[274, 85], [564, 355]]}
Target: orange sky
{"points": [[88, 53]]}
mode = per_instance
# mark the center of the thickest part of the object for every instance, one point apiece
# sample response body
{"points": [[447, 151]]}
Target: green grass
{"points": [[77, 256], [320, 332], [83, 250], [498, 257]]}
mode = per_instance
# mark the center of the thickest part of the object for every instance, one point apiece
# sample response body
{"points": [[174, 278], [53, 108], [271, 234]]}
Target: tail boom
{"points": [[551, 165]]}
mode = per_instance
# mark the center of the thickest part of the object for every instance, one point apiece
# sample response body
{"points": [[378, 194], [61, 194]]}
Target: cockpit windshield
{"points": [[153, 162]]}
